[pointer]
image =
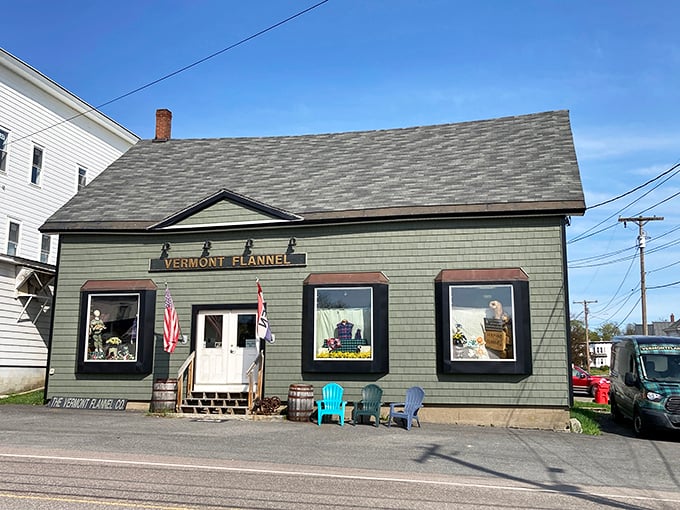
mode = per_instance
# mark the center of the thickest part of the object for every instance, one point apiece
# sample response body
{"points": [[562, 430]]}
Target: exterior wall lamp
{"points": [[292, 242], [248, 248]]}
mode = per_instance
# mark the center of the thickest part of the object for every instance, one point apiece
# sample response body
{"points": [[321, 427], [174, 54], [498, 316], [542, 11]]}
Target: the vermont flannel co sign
{"points": [[99, 404], [216, 262]]}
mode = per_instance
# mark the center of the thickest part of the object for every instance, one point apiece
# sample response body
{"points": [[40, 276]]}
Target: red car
{"points": [[582, 381]]}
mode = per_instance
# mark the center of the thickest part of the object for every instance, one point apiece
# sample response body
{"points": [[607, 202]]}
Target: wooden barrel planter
{"points": [[164, 396], [300, 402]]}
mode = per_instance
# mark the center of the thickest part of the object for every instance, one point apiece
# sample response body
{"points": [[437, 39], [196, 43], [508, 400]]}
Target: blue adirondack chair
{"points": [[369, 405], [408, 410], [331, 403]]}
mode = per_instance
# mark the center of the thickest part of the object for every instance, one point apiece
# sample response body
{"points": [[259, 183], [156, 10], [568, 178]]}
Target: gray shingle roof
{"points": [[511, 165]]}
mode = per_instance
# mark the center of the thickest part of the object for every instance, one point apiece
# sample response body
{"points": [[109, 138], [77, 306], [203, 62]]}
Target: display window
{"points": [[483, 321], [117, 326], [345, 323], [113, 327]]}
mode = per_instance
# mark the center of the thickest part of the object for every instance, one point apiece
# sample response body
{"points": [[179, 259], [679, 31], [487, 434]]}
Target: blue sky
{"points": [[352, 65]]}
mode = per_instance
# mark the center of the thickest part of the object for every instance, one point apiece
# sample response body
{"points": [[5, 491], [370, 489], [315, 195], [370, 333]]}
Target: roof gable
{"points": [[225, 208]]}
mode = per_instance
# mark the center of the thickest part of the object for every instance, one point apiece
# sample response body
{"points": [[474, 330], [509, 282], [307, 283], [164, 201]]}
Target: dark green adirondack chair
{"points": [[369, 405]]}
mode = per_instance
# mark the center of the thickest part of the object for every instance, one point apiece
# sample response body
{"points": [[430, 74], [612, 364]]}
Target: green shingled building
{"points": [[431, 256]]}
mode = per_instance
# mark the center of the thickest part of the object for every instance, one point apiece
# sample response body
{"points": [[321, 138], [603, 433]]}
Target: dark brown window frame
{"points": [[378, 283], [515, 278], [143, 364]]}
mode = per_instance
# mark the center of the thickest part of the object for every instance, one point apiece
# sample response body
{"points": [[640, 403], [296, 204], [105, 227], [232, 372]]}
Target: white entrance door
{"points": [[225, 348]]}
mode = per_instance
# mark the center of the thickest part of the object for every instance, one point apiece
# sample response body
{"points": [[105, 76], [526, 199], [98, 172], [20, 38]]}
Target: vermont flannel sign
{"points": [[217, 262]]}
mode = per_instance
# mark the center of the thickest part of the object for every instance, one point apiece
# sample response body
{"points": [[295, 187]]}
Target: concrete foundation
{"points": [[20, 379]]}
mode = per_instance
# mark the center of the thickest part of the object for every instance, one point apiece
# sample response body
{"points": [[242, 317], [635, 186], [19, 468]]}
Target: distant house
{"points": [[659, 328], [51, 145], [600, 354], [431, 256], [673, 328]]}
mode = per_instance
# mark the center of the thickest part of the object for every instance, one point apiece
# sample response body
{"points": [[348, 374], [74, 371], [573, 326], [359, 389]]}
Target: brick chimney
{"points": [[672, 318], [163, 125]]}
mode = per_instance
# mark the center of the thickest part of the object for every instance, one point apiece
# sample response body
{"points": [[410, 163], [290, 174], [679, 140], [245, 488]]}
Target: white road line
{"points": [[340, 476]]}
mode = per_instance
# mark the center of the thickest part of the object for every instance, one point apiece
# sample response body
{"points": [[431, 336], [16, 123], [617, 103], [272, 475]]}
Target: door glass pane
{"points": [[212, 331], [245, 335]]}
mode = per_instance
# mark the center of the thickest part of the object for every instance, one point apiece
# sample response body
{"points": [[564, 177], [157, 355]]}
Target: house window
{"points": [[13, 238], [82, 178], [45, 248], [117, 326], [345, 323], [36, 168], [483, 321], [4, 135]]}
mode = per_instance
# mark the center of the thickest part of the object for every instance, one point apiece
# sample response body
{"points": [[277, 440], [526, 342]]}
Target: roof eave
{"points": [[547, 208]]}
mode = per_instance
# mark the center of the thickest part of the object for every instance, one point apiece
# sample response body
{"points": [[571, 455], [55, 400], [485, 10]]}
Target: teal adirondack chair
{"points": [[331, 403], [369, 405], [408, 409]]}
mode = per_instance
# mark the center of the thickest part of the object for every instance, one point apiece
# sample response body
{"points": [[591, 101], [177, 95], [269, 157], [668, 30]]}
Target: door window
{"points": [[245, 335], [212, 331]]}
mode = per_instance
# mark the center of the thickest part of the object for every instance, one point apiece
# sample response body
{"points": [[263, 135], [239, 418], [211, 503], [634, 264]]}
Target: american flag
{"points": [[263, 329], [170, 324]]}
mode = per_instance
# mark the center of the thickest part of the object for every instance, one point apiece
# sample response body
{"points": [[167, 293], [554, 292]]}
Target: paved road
{"points": [[55, 458]]}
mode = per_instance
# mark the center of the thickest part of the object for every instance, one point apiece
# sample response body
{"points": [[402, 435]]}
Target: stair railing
{"points": [[185, 379], [255, 388]]}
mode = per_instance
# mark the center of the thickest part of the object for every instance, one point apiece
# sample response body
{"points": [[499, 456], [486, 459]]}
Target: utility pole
{"points": [[585, 313], [640, 221]]}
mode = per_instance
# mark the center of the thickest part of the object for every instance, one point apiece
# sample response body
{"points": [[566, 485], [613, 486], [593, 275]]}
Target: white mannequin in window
{"points": [[97, 327]]}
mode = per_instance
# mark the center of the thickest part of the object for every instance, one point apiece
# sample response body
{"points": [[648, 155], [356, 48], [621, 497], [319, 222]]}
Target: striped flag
{"points": [[263, 329], [170, 324]]}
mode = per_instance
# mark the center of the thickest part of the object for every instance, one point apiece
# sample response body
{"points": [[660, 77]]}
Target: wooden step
{"points": [[212, 402], [199, 409]]}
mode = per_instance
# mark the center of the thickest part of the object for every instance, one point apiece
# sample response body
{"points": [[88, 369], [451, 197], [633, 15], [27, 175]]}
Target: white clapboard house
{"points": [[51, 145]]}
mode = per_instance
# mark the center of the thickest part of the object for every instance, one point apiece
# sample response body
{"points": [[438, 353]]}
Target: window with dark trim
{"points": [[45, 246], [82, 178], [116, 326], [36, 167], [4, 135], [483, 321], [13, 238], [345, 325]]}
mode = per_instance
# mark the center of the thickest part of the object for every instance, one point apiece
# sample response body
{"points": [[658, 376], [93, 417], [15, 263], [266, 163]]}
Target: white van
{"points": [[645, 382]]}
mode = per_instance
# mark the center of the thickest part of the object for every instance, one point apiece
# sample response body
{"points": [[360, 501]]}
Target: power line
{"points": [[175, 73], [582, 262], [664, 267], [635, 189], [673, 284], [628, 314], [602, 255], [622, 259], [630, 266], [588, 233], [659, 203]]}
